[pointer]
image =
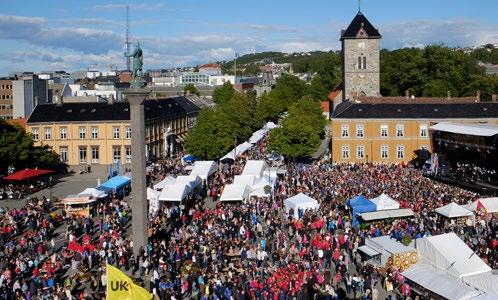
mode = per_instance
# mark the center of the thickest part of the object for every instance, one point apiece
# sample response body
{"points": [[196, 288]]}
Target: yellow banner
{"points": [[121, 287]]}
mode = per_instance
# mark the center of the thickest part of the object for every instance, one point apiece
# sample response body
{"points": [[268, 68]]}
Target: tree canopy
{"points": [[191, 88], [17, 149], [433, 71], [301, 130]]}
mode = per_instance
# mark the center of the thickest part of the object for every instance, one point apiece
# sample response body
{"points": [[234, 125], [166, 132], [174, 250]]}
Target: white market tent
{"points": [[453, 210], [468, 129], [255, 168], [235, 192], [300, 201], [190, 182], [153, 197], [234, 153], [385, 246], [449, 254], [244, 180], [204, 169], [486, 282], [92, 192], [441, 284], [152, 194], [174, 193], [386, 214], [385, 202], [258, 188], [166, 181], [257, 136], [270, 125], [489, 204]]}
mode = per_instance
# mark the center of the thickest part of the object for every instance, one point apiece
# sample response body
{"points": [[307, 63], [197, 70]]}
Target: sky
{"points": [[77, 35]]}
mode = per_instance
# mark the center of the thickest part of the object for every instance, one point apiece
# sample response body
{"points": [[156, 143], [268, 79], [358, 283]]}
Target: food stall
{"points": [[78, 206]]}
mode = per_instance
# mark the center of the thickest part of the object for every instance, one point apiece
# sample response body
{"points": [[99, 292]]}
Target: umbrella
{"points": [[27, 174]]}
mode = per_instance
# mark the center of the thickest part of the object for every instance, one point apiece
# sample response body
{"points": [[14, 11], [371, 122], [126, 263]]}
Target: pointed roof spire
{"points": [[360, 22]]}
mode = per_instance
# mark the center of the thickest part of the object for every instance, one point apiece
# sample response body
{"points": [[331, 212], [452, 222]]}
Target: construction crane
{"points": [[127, 37]]}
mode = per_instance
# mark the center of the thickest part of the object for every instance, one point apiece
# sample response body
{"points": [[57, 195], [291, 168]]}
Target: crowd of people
{"points": [[204, 249]]}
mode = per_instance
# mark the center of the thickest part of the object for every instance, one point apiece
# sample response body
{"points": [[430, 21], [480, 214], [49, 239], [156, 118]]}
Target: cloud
{"points": [[133, 6], [34, 31], [450, 32], [217, 54], [101, 22], [270, 28]]}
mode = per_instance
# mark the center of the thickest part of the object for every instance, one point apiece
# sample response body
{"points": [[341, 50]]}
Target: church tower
{"points": [[360, 59]]}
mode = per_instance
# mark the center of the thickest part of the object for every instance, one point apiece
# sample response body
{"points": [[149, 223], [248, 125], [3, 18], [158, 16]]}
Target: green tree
{"points": [[251, 69], [17, 149], [224, 93], [212, 136], [300, 133], [191, 88]]}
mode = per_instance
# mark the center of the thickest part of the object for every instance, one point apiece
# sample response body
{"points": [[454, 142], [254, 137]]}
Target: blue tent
{"points": [[115, 183], [360, 204]]}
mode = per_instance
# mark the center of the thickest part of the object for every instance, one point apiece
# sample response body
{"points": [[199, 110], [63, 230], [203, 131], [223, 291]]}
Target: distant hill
{"points": [[301, 62]]}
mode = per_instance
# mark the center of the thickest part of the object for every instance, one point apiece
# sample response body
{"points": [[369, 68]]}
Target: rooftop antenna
{"points": [[359, 5], [127, 36]]}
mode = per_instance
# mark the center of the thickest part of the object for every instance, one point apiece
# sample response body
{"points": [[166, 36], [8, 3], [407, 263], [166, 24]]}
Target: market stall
{"points": [[300, 202], [384, 202], [360, 204], [77, 206], [235, 192]]}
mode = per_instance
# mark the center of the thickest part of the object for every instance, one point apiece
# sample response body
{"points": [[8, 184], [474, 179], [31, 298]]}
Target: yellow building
{"points": [[100, 133], [397, 131]]}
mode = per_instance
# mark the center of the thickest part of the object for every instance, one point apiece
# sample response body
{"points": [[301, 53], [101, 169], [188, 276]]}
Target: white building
{"points": [[215, 80]]}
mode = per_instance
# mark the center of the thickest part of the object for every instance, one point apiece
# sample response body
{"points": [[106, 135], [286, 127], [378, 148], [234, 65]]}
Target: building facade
{"points": [[27, 93], [100, 133], [397, 132], [6, 98], [360, 59]]}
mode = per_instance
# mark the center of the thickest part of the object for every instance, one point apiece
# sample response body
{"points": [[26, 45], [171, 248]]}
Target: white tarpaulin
{"points": [[386, 214], [255, 168], [174, 193], [191, 182], [486, 282], [270, 125], [235, 192], [443, 285], [453, 210], [204, 168], [258, 188], [448, 253], [468, 129], [234, 153], [166, 181], [489, 204], [384, 202], [93, 192], [153, 197], [244, 180], [257, 136], [386, 247], [300, 201]]}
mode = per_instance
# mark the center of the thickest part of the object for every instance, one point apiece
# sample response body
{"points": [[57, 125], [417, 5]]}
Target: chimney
{"points": [[449, 95], [407, 94], [478, 96], [493, 97]]}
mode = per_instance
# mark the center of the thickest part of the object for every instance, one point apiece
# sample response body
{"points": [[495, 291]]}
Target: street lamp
{"points": [[50, 188]]}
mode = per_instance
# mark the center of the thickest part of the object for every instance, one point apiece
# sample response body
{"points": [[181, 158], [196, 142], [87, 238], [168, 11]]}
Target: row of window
{"points": [[6, 86], [63, 133], [384, 152], [95, 154], [6, 106], [6, 97], [362, 62], [384, 130]]}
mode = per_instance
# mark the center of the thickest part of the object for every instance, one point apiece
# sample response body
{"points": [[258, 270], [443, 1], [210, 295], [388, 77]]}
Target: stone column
{"points": [[136, 98]]}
